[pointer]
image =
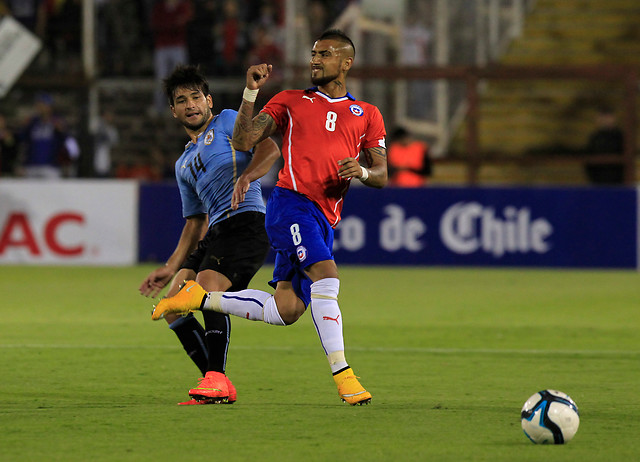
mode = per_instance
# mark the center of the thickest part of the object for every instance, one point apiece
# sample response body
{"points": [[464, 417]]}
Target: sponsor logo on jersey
{"points": [[308, 97], [208, 139], [356, 110], [301, 251]]}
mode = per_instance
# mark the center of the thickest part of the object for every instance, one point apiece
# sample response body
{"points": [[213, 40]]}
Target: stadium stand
{"points": [[522, 123], [525, 120]]}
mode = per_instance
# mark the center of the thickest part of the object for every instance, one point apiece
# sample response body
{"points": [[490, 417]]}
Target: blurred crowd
{"points": [[134, 38], [46, 146], [223, 36], [42, 146]]}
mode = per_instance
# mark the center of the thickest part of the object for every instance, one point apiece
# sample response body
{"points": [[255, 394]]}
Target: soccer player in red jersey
{"points": [[324, 130]]}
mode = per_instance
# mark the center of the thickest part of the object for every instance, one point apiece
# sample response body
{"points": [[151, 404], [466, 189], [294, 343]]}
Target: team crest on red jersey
{"points": [[356, 110]]}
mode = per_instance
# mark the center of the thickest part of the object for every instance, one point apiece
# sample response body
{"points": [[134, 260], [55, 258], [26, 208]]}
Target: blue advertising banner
{"points": [[562, 227], [160, 221], [529, 227]]}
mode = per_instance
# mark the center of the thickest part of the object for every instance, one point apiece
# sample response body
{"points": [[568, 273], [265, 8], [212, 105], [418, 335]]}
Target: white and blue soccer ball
{"points": [[550, 417]]}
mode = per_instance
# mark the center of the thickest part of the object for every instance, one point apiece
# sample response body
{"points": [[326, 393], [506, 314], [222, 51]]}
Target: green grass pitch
{"points": [[450, 355]]}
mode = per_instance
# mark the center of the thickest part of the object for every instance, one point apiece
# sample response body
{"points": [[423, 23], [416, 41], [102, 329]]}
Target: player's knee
{"points": [[322, 270], [290, 307], [291, 313]]}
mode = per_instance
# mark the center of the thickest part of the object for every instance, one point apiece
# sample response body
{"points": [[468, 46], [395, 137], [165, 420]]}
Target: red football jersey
{"points": [[317, 132]]}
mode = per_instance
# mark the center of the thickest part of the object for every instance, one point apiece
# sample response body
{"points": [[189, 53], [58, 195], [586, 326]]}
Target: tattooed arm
{"points": [[249, 131], [375, 158]]}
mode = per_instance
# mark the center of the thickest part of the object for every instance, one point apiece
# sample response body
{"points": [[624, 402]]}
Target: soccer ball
{"points": [[550, 417]]}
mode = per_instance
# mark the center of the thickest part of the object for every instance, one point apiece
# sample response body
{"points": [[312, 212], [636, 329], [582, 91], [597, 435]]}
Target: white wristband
{"points": [[250, 95], [365, 174]]}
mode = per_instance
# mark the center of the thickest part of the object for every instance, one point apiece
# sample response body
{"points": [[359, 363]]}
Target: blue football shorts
{"points": [[300, 235]]}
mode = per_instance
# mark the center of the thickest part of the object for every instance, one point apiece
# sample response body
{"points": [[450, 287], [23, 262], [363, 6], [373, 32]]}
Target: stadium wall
{"points": [[528, 227], [73, 222], [119, 222]]}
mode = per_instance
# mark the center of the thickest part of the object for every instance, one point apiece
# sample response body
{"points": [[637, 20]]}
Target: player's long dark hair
{"points": [[185, 76]]}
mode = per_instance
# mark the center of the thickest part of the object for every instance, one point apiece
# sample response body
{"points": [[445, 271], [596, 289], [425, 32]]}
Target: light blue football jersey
{"points": [[208, 170]]}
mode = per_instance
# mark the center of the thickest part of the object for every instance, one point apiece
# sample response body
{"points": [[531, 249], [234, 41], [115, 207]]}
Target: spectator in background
{"points": [[232, 42], [153, 165], [415, 40], [105, 136], [266, 37], [45, 149], [269, 16], [64, 34], [8, 148], [31, 13], [139, 167], [607, 138], [409, 162], [169, 20], [72, 156], [200, 35], [319, 18], [119, 37], [265, 50], [161, 164]]}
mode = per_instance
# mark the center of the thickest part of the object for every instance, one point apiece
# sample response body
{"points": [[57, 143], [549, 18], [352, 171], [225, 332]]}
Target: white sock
{"points": [[255, 305], [327, 319], [271, 313]]}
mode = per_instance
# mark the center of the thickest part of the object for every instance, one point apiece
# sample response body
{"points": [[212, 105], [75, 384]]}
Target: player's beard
{"points": [[197, 126], [324, 79]]}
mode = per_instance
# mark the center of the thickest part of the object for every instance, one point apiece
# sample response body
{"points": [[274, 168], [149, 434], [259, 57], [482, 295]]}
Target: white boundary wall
{"points": [[68, 222]]}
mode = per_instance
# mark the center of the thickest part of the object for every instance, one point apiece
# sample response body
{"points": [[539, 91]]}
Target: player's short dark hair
{"points": [[337, 34], [185, 76]]}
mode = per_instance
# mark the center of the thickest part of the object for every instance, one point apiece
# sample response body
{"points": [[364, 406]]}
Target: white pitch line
{"points": [[450, 351]]}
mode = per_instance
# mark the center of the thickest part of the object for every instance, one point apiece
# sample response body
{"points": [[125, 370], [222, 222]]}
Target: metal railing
{"points": [[450, 32], [472, 77]]}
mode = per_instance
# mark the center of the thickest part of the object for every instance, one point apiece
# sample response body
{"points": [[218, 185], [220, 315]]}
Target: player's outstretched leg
{"points": [[349, 388], [189, 298], [251, 304]]}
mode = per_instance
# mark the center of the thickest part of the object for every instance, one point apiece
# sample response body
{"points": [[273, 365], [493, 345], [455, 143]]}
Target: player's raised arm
{"points": [[249, 131]]}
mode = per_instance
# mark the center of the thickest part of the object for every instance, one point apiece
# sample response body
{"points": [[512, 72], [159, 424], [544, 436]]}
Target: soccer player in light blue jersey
{"points": [[220, 247]]}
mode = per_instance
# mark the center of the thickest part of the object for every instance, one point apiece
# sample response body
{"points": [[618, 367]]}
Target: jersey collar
{"points": [[209, 127], [329, 98]]}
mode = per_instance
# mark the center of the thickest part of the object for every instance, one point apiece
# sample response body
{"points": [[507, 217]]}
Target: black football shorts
{"points": [[235, 247]]}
